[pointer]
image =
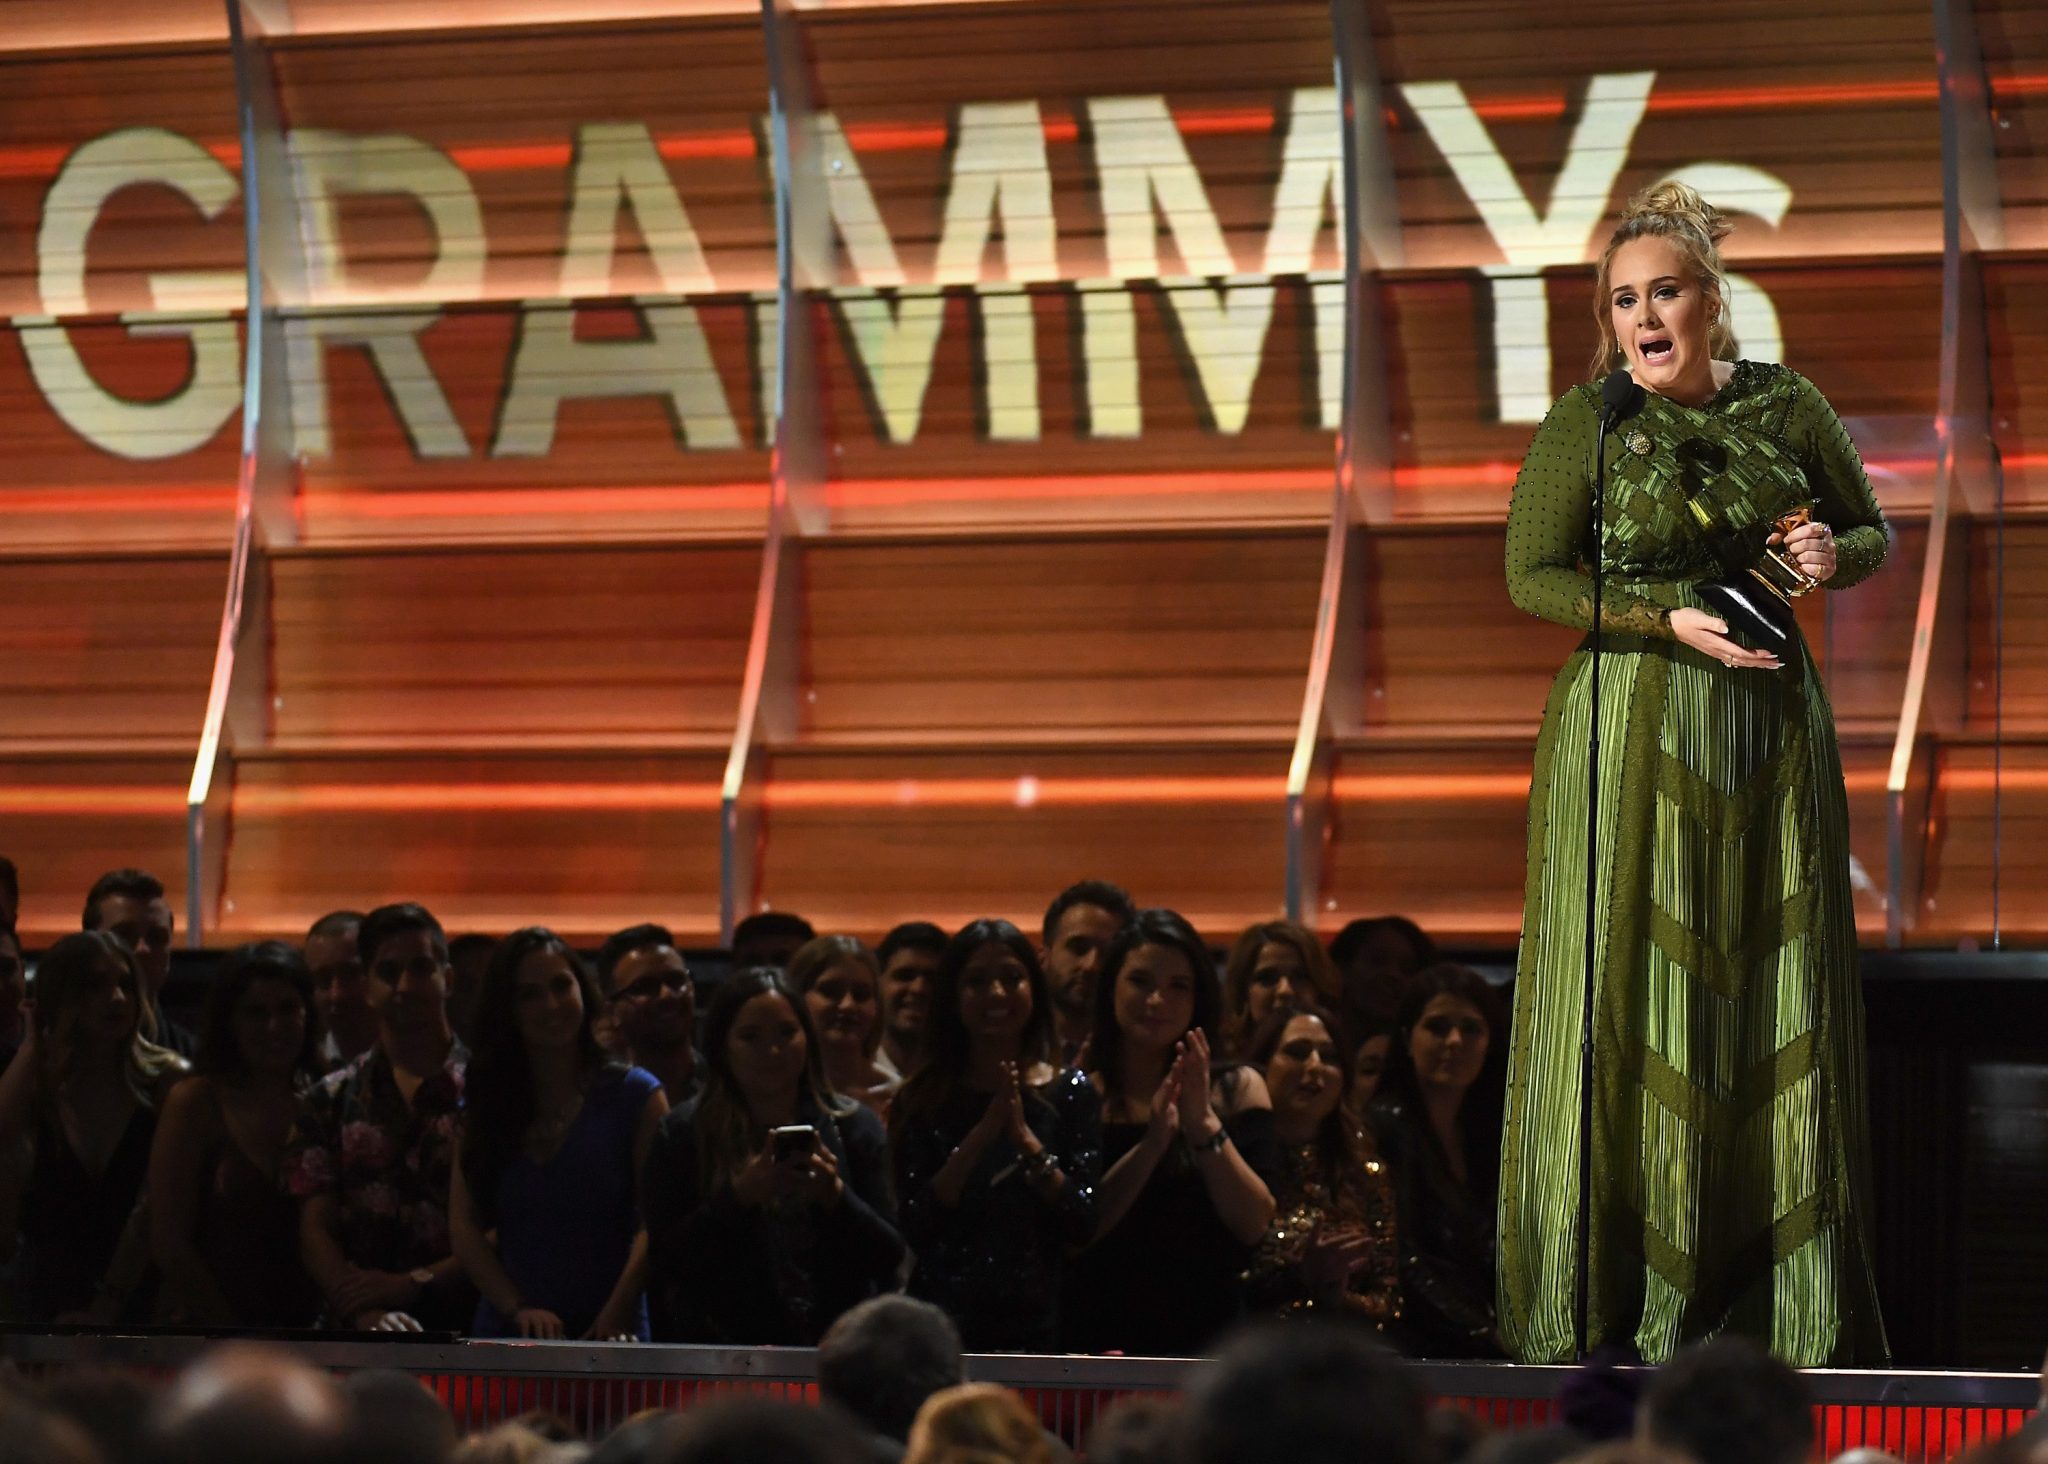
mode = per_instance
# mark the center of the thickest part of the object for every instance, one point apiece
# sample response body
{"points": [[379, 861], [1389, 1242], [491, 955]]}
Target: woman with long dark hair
{"points": [[1437, 1120], [224, 1231], [1187, 1147], [997, 1150], [553, 1135], [84, 1092], [768, 1202], [1334, 1246]]}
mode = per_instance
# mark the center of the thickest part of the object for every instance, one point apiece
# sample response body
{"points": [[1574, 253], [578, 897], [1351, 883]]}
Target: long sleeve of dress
{"points": [[1841, 489], [865, 1246], [1550, 530]]}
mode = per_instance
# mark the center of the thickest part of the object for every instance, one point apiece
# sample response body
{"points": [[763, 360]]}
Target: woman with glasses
{"points": [[997, 1150]]}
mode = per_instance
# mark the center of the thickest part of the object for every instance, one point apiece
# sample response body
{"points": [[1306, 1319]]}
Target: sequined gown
{"points": [[1730, 1139], [1317, 1199]]}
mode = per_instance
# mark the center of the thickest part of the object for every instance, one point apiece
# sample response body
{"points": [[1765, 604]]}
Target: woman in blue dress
{"points": [[553, 1140]]}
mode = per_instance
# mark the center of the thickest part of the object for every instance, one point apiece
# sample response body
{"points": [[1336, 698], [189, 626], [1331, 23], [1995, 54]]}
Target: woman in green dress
{"points": [[1730, 1146]]}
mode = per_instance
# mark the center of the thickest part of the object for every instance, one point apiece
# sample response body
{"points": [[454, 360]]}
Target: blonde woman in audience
{"points": [[977, 1423], [840, 981], [83, 1096]]}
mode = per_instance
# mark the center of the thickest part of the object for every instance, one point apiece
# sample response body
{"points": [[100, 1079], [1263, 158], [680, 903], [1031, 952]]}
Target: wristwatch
{"points": [[1213, 1144]]}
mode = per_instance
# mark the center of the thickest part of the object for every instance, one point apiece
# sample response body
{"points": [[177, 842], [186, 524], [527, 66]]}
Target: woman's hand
{"points": [[1198, 1120], [538, 1324], [819, 1177], [1014, 1125], [1165, 1118], [1708, 634], [1811, 547], [761, 1180], [1331, 1257]]}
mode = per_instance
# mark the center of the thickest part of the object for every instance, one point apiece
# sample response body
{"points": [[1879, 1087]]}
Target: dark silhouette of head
{"points": [[1294, 1393], [1728, 1401], [882, 1359]]}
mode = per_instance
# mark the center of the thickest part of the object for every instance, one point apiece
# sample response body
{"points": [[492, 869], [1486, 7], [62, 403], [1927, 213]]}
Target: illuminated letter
{"points": [[190, 417], [328, 165], [616, 165], [1598, 147]]}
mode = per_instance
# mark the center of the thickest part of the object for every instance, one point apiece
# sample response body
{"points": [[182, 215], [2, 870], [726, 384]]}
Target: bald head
{"points": [[248, 1404]]}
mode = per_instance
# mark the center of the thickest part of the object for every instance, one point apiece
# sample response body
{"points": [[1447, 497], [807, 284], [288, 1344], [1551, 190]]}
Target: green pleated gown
{"points": [[1730, 1137]]}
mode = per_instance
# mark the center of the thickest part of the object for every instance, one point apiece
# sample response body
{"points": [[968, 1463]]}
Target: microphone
{"points": [[1620, 397]]}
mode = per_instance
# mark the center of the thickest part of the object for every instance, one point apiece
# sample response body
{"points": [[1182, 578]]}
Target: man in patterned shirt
{"points": [[373, 1143]]}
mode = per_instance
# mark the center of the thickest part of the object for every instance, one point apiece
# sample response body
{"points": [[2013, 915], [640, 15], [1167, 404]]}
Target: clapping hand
{"points": [[1198, 1120]]}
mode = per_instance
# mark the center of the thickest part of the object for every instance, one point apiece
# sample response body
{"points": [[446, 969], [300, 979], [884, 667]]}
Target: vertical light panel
{"points": [[238, 697], [1963, 486], [796, 505], [1332, 700]]}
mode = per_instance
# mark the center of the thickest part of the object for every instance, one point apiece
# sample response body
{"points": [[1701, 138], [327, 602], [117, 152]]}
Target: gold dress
{"points": [[1318, 1200]]}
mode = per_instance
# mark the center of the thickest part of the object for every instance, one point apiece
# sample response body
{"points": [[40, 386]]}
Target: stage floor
{"points": [[1917, 1415]]}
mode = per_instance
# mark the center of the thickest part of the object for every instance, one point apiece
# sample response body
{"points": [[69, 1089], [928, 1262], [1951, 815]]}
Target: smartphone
{"points": [[792, 1141]]}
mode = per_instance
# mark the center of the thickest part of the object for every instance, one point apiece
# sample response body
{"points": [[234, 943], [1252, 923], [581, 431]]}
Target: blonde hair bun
{"points": [[1680, 204]]}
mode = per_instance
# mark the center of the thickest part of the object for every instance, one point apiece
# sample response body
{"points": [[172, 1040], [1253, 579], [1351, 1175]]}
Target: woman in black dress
{"points": [[1437, 1119], [997, 1151], [1187, 1147], [767, 1200]]}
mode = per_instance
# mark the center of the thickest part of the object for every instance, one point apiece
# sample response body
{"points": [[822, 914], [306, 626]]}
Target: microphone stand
{"points": [[1583, 1290]]}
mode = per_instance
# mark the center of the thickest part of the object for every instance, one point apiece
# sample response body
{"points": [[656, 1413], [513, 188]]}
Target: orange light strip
{"points": [[90, 800], [493, 797], [368, 503]]}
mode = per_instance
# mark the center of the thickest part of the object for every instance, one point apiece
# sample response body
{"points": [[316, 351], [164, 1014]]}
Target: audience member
{"points": [[881, 1360], [13, 993], [1375, 960], [83, 1096], [1288, 1393], [397, 1421], [1552, 1445], [341, 1000], [1601, 1397], [1187, 1148], [553, 1139], [769, 938], [1454, 1434], [516, 1443], [1335, 1248], [246, 1404], [224, 1232], [653, 1006], [10, 893], [1438, 1124], [372, 1149], [839, 979], [1138, 1429], [1728, 1401], [997, 1151], [910, 956], [33, 1435], [1274, 966], [1368, 1063], [1079, 925], [759, 1431], [977, 1423], [109, 1406], [131, 904], [768, 1203], [469, 957]]}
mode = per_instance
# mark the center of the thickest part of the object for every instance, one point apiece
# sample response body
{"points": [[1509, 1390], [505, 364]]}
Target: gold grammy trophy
{"points": [[1755, 597]]}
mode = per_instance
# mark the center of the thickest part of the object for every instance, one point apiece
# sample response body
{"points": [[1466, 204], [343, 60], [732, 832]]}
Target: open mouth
{"points": [[1656, 350]]}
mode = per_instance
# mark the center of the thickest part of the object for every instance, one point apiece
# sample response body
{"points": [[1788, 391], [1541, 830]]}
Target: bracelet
{"points": [[1211, 1145], [1038, 1166]]}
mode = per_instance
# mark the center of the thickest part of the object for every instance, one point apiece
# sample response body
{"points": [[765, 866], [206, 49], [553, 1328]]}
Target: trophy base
{"points": [[1758, 615]]}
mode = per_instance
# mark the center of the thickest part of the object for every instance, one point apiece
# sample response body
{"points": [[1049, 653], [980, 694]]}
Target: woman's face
{"points": [[270, 1027], [1279, 983], [547, 1001], [765, 1049], [1366, 1067], [1660, 316], [1306, 1073], [845, 1006], [107, 1006], [1155, 996], [1448, 1045], [995, 994]]}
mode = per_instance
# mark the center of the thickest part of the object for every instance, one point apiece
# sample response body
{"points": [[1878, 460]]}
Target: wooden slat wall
{"points": [[467, 644], [2014, 37], [2016, 306], [1105, 637]]}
